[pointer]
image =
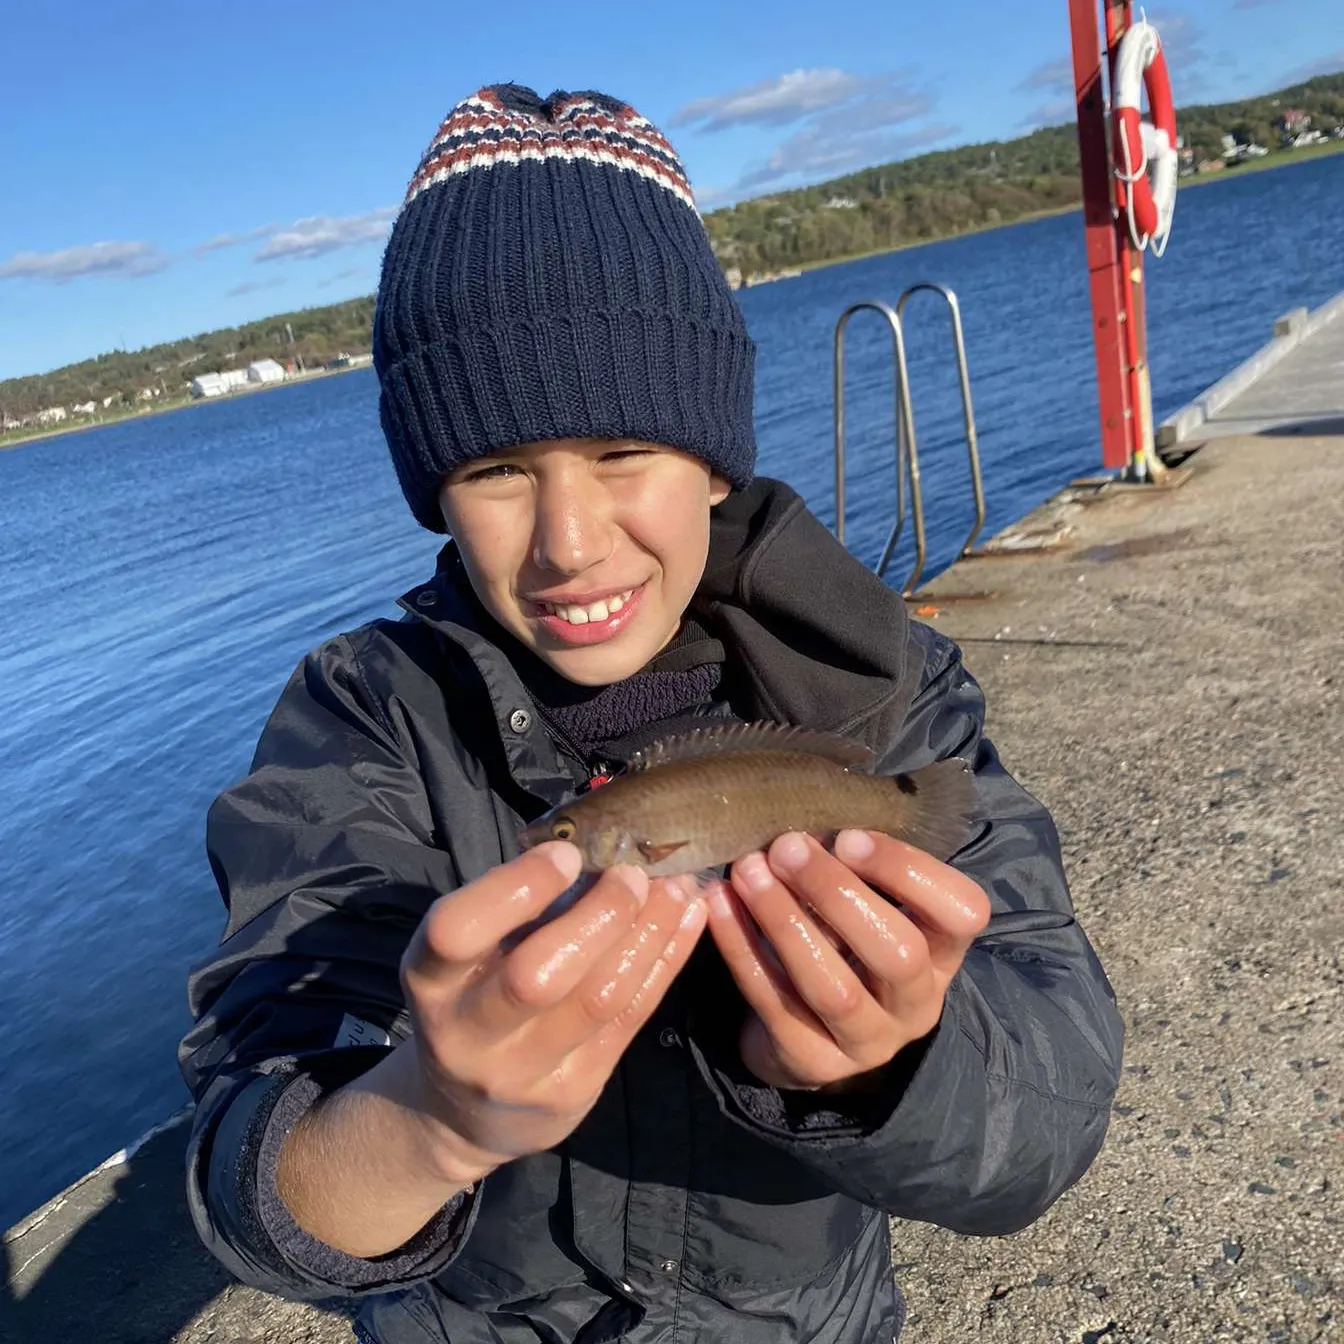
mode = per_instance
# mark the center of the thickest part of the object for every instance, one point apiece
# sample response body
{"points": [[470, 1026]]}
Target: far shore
{"points": [[146, 409], [1280, 159]]}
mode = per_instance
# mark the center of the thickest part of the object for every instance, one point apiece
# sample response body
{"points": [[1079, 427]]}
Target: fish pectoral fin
{"points": [[657, 853]]}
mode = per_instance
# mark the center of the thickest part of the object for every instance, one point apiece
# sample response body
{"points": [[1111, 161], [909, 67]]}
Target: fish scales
{"points": [[722, 807], [707, 799]]}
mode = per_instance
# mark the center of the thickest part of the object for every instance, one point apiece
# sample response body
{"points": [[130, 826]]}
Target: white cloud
{"points": [[252, 286], [842, 122], [1329, 64], [71, 263], [234, 239], [348, 273], [317, 235], [818, 152], [773, 102], [1054, 76]]}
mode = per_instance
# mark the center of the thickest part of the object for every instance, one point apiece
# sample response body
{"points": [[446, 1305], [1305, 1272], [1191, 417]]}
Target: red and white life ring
{"points": [[1141, 146]]}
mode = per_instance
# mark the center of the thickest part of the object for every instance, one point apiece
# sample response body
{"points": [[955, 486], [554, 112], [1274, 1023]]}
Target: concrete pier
{"points": [[1163, 670]]}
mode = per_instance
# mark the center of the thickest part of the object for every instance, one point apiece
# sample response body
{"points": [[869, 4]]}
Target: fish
{"points": [[695, 802]]}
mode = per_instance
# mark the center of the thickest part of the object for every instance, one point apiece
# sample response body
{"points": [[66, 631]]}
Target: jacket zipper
{"points": [[599, 772]]}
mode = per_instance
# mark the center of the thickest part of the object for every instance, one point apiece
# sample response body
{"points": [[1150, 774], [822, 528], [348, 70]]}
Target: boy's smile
{"points": [[588, 551]]}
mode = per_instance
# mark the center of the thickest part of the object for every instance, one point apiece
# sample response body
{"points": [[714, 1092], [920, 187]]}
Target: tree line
{"points": [[310, 338]]}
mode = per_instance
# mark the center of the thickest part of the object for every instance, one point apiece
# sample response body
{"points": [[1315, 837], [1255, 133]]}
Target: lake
{"points": [[161, 578]]}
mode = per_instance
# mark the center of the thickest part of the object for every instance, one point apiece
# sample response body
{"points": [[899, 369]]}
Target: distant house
{"points": [[107, 401], [53, 415], [217, 384], [265, 371], [84, 408], [841, 203], [1294, 120], [147, 394]]}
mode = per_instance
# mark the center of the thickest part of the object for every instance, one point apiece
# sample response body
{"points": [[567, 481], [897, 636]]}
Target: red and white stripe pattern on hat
{"points": [[483, 132]]}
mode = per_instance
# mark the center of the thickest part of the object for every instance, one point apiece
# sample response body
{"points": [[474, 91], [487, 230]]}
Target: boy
{"points": [[412, 1088]]}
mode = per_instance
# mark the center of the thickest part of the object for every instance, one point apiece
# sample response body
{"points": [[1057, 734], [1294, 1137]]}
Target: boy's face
{"points": [[586, 550]]}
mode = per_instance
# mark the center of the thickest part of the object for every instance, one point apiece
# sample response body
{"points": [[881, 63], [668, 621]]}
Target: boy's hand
{"points": [[513, 1044], [840, 979]]}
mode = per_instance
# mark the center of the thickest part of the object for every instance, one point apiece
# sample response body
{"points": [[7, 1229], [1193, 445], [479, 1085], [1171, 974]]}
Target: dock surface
{"points": [[1164, 672]]}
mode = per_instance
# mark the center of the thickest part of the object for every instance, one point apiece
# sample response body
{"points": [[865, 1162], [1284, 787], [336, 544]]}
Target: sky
{"points": [[167, 169]]}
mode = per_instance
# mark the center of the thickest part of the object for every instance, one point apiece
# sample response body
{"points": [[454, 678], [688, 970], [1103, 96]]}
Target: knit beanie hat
{"points": [[548, 276]]}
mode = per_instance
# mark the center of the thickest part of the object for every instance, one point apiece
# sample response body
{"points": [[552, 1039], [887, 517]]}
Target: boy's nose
{"points": [[572, 532]]}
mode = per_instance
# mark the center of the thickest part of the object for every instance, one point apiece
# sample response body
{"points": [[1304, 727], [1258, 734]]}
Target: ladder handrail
{"points": [[907, 450], [905, 432], [967, 408]]}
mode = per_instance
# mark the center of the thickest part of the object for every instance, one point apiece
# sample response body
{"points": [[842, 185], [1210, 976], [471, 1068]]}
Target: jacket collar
{"points": [[818, 638]]}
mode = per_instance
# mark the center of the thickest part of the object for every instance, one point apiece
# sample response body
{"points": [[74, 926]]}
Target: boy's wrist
{"points": [[450, 1159]]}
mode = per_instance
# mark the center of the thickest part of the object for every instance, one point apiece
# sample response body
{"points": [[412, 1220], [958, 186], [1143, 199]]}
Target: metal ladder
{"points": [[907, 451]]}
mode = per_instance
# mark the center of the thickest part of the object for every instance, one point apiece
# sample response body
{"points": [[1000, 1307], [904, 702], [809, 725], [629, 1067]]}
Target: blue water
{"points": [[158, 581]]}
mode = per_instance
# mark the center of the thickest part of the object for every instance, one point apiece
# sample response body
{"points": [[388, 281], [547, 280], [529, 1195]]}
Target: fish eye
{"points": [[564, 829]]}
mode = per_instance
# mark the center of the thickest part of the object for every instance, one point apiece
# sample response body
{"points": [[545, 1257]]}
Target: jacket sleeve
{"points": [[324, 857], [983, 1125]]}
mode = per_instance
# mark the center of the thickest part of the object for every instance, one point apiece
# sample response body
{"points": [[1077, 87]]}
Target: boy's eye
{"points": [[621, 454], [497, 471]]}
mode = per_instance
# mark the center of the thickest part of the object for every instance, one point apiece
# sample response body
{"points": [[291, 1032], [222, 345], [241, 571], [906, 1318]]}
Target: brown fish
{"points": [[698, 801]]}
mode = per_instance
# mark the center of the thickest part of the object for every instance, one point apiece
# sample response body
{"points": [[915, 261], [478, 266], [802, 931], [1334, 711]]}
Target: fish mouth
{"points": [[535, 834]]}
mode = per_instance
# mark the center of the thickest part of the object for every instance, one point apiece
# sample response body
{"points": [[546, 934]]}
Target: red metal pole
{"points": [[1119, 17], [1106, 263]]}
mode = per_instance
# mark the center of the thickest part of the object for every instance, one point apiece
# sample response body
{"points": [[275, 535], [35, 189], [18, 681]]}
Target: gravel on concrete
{"points": [[1168, 682]]}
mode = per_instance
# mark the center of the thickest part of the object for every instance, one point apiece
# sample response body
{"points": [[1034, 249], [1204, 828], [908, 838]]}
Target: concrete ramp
{"points": [[1292, 385]]}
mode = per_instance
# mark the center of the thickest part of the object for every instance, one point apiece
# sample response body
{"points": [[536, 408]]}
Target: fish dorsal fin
{"points": [[700, 742]]}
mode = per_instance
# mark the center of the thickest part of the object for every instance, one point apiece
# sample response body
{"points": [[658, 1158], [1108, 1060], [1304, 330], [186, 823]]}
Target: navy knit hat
{"points": [[549, 277]]}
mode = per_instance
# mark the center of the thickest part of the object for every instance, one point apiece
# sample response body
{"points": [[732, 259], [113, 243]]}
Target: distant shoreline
{"points": [[1281, 159], [166, 408]]}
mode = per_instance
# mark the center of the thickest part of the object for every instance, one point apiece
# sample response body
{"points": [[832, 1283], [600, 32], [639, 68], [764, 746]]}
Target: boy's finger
{"points": [[818, 972], [756, 967], [604, 1050], [614, 980], [469, 923], [949, 907], [539, 973]]}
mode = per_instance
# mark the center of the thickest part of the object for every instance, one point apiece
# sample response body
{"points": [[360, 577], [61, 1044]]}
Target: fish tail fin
{"points": [[934, 808]]}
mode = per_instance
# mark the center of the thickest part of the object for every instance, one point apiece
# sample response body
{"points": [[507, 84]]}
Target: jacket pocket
{"points": [[757, 1217]]}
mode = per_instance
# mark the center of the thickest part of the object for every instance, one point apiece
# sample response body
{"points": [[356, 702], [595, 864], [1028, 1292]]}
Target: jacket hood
{"points": [[820, 639]]}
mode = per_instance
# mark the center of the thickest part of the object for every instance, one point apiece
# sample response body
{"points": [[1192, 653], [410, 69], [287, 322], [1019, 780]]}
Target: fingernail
{"points": [[566, 858], [789, 851], [636, 879], [854, 846], [717, 896], [694, 913], [755, 872]]}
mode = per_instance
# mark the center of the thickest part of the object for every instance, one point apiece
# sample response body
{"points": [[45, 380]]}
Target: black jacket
{"points": [[693, 1202]]}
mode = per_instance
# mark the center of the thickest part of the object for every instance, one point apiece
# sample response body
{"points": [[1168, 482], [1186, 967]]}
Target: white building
{"points": [[217, 384], [53, 415], [265, 371], [84, 408]]}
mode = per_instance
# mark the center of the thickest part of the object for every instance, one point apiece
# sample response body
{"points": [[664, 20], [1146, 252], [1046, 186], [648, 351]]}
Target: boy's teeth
{"points": [[595, 611]]}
